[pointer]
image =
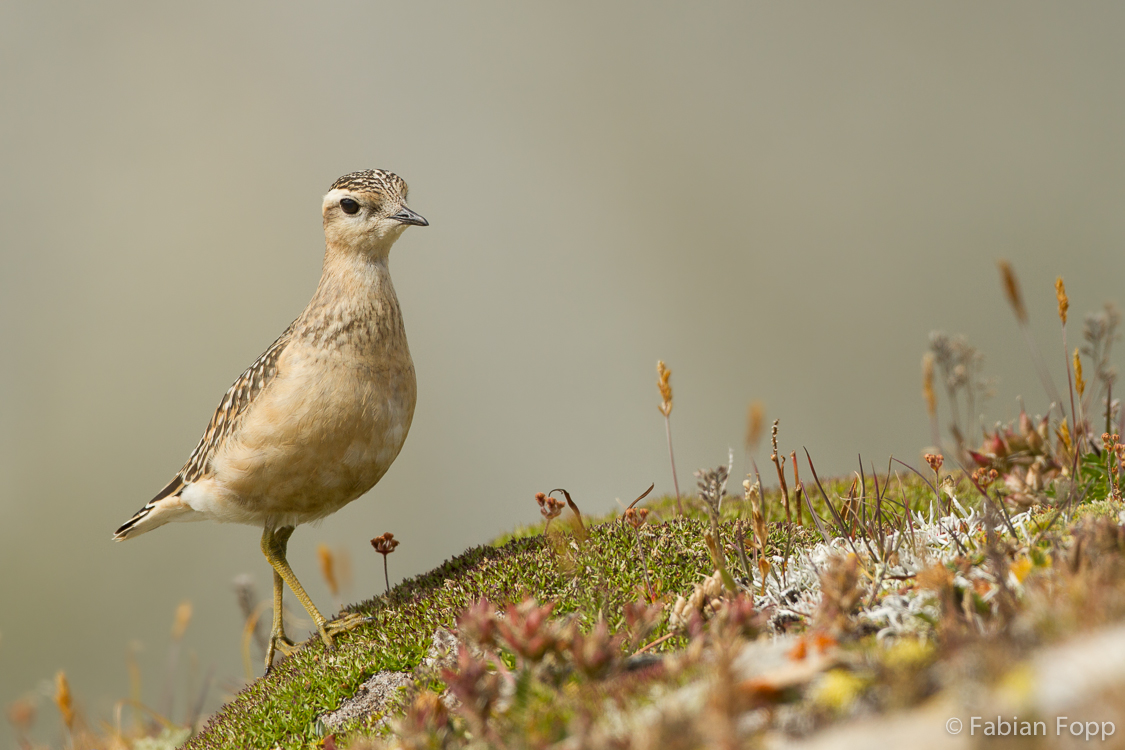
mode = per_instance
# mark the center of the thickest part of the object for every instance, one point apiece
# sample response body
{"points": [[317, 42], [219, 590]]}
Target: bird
{"points": [[320, 416]]}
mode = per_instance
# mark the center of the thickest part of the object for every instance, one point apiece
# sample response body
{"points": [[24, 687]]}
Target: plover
{"points": [[318, 419]]}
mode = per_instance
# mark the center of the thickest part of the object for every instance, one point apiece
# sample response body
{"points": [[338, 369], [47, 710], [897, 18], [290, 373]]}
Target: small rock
{"points": [[443, 651], [373, 695], [371, 698]]}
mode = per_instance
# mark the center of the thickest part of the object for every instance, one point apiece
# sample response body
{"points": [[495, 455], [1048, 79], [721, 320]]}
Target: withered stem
{"points": [[672, 460]]}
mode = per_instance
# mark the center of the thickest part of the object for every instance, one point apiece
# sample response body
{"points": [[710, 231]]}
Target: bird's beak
{"points": [[406, 216]]}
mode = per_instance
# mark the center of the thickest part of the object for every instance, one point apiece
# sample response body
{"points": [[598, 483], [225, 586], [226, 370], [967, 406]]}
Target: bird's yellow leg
{"points": [[274, 543], [278, 640]]}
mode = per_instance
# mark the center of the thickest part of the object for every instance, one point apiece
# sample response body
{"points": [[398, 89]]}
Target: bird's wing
{"points": [[229, 413], [223, 424]]}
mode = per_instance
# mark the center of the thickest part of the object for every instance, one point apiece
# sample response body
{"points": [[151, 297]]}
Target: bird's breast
{"points": [[324, 432]]}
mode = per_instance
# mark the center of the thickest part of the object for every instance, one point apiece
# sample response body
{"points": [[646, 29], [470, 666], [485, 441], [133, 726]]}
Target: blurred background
{"points": [[779, 200]]}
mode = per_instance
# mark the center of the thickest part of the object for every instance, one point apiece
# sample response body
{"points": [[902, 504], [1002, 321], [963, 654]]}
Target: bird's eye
{"points": [[349, 206]]}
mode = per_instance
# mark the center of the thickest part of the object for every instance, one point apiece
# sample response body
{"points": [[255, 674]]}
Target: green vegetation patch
{"points": [[595, 577]]}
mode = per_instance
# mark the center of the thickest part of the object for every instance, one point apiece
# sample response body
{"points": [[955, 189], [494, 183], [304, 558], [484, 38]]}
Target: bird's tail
{"points": [[165, 507]]}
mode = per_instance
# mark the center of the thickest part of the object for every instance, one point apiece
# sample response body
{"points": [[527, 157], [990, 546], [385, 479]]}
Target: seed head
{"points": [[183, 617], [1079, 383], [928, 383], [755, 418], [636, 517], [665, 387], [1064, 303], [384, 544], [1012, 290], [328, 568], [753, 493], [549, 506], [935, 460], [1063, 433], [712, 486], [984, 476], [64, 701]]}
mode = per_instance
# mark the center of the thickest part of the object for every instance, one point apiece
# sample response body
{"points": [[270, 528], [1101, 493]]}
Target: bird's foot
{"points": [[343, 624], [347, 622], [278, 642]]}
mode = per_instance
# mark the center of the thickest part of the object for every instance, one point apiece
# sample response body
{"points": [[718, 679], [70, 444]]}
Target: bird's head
{"points": [[366, 212]]}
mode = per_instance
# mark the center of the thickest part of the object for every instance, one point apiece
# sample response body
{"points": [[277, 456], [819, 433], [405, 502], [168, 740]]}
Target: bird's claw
{"points": [[350, 621], [278, 643]]}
